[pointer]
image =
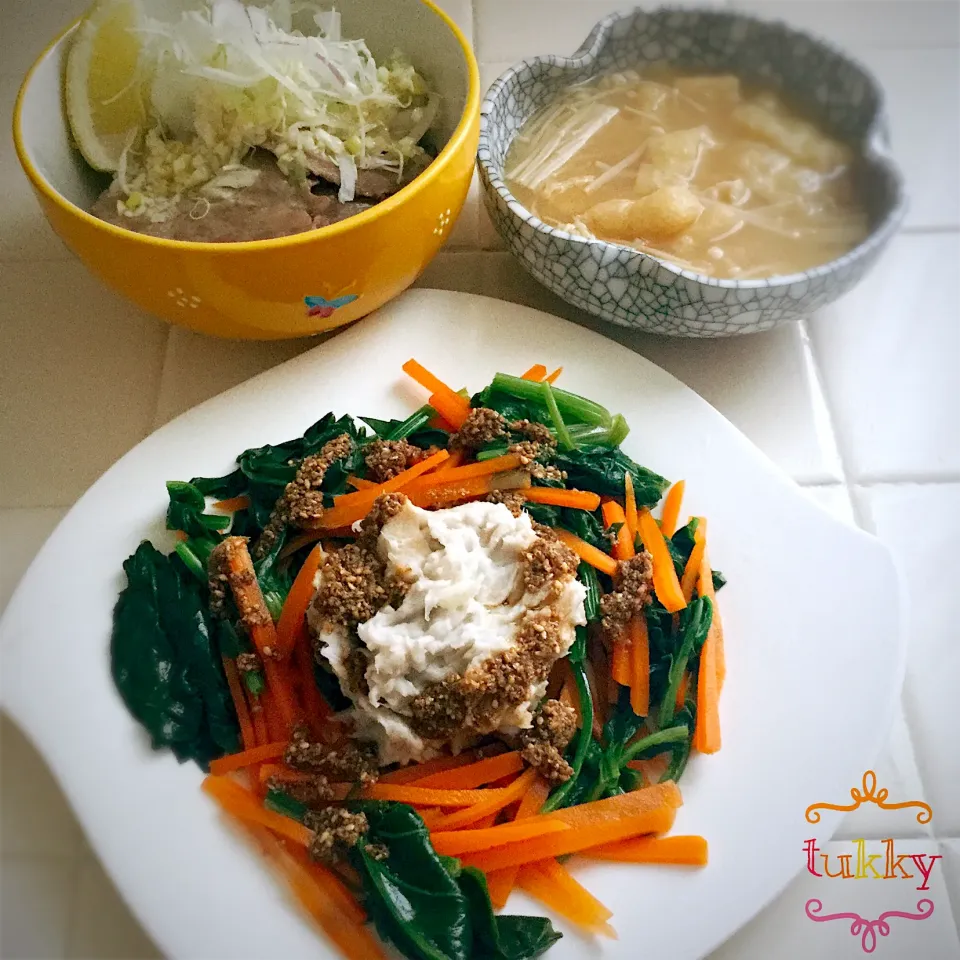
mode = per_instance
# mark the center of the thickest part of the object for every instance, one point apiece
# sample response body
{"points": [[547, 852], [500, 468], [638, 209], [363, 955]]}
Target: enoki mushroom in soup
{"points": [[700, 171]]}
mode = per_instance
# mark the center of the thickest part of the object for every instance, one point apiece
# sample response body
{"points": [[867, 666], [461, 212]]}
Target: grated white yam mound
{"points": [[465, 605]]}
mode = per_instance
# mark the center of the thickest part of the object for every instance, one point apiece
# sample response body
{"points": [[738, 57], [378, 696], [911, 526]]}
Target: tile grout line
{"points": [[951, 892], [164, 360], [73, 909], [831, 420], [475, 32], [838, 438], [940, 228]]}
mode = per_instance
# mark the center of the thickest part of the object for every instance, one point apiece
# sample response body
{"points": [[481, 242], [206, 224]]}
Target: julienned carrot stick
{"points": [[451, 463], [671, 508], [553, 886], [358, 483], [572, 841], [330, 884], [681, 698], [574, 499], [503, 880], [446, 494], [351, 507], [452, 843], [534, 799], [277, 728], [420, 796], [568, 696], [258, 720], [488, 805], [640, 666], [613, 514], [706, 733], [630, 503], [246, 807], [233, 504], [426, 379], [615, 809], [650, 810], [236, 761], [665, 582], [484, 468], [403, 478], [248, 736], [452, 414], [500, 883], [286, 774], [620, 662], [537, 372], [322, 896], [705, 586], [298, 599], [691, 572], [449, 404], [430, 815], [553, 377], [689, 850], [588, 553], [316, 709], [234, 557], [280, 687], [419, 771], [476, 774]]}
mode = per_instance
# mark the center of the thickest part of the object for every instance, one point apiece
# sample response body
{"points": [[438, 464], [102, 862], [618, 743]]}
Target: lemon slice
{"points": [[105, 93]]}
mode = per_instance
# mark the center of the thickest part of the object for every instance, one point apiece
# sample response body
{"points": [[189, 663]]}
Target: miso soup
{"points": [[696, 170]]}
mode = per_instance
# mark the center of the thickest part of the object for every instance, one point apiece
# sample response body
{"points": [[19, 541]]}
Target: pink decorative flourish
{"points": [[867, 930]]}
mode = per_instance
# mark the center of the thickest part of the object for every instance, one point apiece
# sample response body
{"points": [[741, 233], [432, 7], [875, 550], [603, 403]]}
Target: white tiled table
{"points": [[860, 405]]}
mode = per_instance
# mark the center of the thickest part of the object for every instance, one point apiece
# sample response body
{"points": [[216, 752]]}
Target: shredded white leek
{"points": [[226, 76]]}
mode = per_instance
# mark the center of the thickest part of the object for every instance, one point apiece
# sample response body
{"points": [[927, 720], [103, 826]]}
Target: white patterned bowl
{"points": [[635, 289]]}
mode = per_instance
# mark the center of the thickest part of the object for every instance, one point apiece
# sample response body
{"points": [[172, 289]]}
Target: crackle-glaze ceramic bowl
{"points": [[292, 286], [635, 289]]}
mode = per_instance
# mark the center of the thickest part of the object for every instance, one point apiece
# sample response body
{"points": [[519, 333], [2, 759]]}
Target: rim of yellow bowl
{"points": [[471, 112]]}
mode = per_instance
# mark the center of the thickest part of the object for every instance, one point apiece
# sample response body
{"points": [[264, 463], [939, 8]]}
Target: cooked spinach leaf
{"points": [[578, 754], [574, 408], [587, 526], [185, 511], [602, 469], [265, 471], [513, 408], [681, 543], [695, 622], [502, 938], [543, 513], [275, 581], [232, 485], [587, 575], [428, 906], [165, 660]]}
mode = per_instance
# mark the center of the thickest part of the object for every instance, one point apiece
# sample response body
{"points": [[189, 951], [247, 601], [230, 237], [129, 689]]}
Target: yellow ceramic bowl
{"points": [[271, 289]]}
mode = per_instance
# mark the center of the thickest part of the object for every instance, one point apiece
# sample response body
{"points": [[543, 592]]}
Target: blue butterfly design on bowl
{"points": [[321, 307]]}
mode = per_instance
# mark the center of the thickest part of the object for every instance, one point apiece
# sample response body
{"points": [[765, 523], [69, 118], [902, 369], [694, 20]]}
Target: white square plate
{"points": [[814, 653]]}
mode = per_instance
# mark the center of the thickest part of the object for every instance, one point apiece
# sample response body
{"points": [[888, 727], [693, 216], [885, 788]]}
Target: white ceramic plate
{"points": [[814, 655]]}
